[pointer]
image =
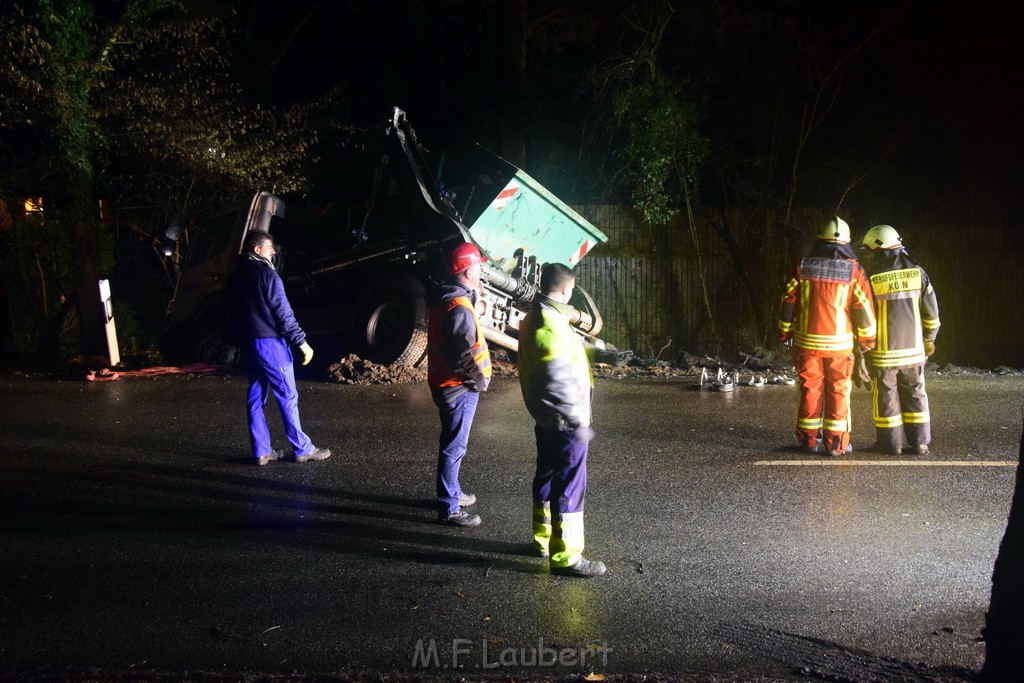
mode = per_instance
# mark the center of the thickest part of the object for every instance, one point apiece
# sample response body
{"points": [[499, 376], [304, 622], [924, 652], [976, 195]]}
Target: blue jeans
{"points": [[456, 421], [268, 365]]}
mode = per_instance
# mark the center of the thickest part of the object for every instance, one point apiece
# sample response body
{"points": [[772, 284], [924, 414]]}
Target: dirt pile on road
{"points": [[355, 370]]}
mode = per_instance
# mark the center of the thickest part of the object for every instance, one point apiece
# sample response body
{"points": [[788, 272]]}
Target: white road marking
{"points": [[890, 463]]}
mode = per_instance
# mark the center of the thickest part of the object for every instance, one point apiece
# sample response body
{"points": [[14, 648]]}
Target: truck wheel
{"points": [[211, 346], [391, 327]]}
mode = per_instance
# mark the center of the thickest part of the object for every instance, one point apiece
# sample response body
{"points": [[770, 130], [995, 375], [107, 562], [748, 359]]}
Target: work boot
{"points": [[269, 457], [921, 449], [459, 518], [582, 568], [315, 454], [806, 448], [466, 499], [836, 454]]}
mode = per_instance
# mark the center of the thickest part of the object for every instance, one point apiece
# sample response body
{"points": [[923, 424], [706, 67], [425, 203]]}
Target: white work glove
{"points": [[307, 353]]}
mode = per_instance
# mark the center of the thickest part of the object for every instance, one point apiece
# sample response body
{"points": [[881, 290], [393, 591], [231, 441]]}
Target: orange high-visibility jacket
{"points": [[457, 355], [828, 304]]}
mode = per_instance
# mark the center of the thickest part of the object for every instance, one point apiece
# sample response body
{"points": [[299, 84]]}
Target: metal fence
{"points": [[647, 283]]}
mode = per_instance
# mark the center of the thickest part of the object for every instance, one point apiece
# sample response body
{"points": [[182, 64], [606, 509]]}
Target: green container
{"points": [[524, 215]]}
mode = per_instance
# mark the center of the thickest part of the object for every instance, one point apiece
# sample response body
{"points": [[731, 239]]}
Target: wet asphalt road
{"points": [[136, 536]]}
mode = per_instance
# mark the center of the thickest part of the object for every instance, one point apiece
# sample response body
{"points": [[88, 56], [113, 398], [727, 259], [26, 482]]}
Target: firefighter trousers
{"points": [[825, 387], [559, 487], [900, 407]]}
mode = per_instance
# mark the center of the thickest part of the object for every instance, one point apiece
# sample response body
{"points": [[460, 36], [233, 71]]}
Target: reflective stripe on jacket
{"points": [[907, 310], [458, 359], [828, 303], [554, 371]]}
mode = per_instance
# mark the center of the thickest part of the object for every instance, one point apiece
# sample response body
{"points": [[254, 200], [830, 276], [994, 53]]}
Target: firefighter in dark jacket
{"points": [[458, 370], [265, 328], [908, 322], [827, 312], [557, 386]]}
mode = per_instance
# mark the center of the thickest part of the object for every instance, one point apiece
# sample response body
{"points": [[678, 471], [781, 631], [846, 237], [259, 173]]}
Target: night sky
{"points": [[929, 103]]}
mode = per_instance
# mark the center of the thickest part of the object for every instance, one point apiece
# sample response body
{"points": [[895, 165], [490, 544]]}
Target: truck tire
{"points": [[211, 346], [390, 327]]}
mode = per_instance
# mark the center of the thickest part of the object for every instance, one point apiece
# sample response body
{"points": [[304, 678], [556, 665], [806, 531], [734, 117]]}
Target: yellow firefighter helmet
{"points": [[882, 237], [835, 229]]}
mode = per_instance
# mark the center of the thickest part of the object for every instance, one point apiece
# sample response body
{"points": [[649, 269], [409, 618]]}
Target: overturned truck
{"points": [[361, 286]]}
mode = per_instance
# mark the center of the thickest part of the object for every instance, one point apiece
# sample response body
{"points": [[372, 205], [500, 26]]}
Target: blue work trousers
{"points": [[561, 475], [456, 421], [268, 365], [559, 489]]}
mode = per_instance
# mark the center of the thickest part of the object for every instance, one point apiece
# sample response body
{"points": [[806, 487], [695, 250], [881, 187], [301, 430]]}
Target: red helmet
{"points": [[464, 256]]}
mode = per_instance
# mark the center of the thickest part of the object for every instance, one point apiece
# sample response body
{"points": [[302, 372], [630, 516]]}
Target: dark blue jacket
{"points": [[258, 304], [451, 343]]}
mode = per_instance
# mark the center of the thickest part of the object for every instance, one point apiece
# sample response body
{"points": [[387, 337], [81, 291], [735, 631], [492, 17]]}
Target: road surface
{"points": [[137, 537]]}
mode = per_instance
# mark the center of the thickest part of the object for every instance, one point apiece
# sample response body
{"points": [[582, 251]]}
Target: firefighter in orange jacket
{"points": [[458, 370], [908, 322], [827, 311]]}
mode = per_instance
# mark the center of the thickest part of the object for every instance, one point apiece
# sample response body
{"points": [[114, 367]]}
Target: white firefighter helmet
{"points": [[835, 229], [882, 237]]}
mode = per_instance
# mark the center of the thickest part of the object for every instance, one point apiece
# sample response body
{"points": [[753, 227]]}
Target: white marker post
{"points": [[108, 313]]}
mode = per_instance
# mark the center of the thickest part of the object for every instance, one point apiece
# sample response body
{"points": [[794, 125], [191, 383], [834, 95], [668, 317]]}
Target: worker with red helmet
{"points": [[458, 370]]}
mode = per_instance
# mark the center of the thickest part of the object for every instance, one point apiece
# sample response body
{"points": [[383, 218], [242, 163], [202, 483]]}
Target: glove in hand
{"points": [[786, 339], [929, 348], [307, 353]]}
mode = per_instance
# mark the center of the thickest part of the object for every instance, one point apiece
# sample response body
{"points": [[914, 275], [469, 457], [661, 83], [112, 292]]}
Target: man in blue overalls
{"points": [[265, 327]]}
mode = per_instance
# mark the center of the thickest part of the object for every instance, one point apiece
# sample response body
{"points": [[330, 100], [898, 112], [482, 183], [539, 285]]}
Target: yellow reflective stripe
{"points": [[916, 418], [541, 524], [785, 326], [825, 338], [821, 342], [862, 296], [809, 422], [836, 426], [882, 338], [790, 286], [874, 401], [888, 422], [897, 358], [805, 301], [930, 323], [842, 294], [567, 539]]}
